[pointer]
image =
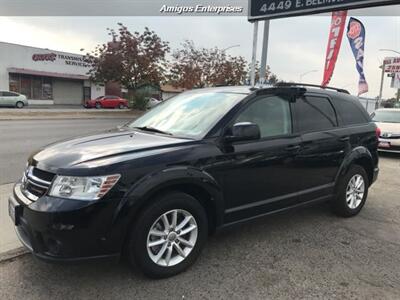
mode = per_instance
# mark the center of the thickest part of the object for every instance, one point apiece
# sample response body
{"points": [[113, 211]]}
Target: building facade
{"points": [[46, 76]]}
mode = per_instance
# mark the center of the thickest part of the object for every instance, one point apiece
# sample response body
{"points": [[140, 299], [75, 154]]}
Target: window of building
{"points": [[33, 87], [14, 83], [314, 113], [87, 93], [271, 114]]}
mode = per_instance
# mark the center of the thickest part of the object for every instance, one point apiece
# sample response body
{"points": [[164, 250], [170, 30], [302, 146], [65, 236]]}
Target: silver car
{"points": [[388, 121], [12, 99]]}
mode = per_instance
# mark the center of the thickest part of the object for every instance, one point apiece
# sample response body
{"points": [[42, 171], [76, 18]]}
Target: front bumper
{"points": [[389, 145], [59, 230]]}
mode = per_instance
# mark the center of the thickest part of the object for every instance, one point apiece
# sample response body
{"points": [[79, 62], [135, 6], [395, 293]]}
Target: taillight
{"points": [[378, 132]]}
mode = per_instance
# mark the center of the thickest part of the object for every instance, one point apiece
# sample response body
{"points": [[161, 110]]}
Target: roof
{"points": [[47, 74]]}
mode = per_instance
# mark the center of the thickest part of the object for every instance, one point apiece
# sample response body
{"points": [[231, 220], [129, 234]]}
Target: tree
{"points": [[193, 67], [130, 59], [269, 76]]}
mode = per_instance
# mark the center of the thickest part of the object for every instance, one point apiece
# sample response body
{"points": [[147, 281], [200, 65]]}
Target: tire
{"points": [[121, 106], [139, 254], [348, 202], [19, 104], [98, 105]]}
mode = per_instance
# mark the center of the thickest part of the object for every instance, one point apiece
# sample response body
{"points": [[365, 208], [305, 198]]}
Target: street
{"points": [[305, 253], [20, 138]]}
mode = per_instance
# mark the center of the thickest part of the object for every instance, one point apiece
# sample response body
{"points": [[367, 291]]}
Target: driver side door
{"points": [[262, 175]]}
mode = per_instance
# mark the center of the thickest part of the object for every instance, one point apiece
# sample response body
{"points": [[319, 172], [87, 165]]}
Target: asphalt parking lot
{"points": [[307, 253]]}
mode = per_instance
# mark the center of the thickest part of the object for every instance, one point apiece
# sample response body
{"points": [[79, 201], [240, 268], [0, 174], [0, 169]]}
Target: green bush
{"points": [[139, 100]]}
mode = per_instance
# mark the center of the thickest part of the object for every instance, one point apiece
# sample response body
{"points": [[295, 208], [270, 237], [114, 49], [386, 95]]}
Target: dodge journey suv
{"points": [[155, 188]]}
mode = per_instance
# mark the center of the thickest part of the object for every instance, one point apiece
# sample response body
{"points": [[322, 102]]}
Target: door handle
{"points": [[293, 148], [345, 139]]}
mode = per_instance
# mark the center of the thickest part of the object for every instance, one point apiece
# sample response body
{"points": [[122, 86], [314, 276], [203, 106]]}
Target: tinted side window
{"points": [[349, 113], [314, 114], [8, 94], [271, 114]]}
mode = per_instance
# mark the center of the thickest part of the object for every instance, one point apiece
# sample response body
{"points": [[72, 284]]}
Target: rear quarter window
{"points": [[349, 113], [314, 113]]}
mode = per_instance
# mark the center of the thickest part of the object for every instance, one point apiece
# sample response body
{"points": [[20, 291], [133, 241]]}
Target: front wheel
{"points": [[98, 105], [121, 106], [352, 192], [168, 236], [19, 104]]}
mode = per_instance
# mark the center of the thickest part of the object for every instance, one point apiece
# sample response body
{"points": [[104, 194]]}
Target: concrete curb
{"points": [[77, 114], [14, 253]]}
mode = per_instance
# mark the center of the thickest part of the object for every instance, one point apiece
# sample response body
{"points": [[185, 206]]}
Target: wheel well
{"points": [[367, 165], [196, 192]]}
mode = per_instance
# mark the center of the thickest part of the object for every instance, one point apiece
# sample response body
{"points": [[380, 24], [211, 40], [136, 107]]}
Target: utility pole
{"points": [[264, 53], [378, 104], [254, 54]]}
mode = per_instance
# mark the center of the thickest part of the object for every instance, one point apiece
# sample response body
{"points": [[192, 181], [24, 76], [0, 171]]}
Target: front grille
{"points": [[35, 183], [390, 136]]}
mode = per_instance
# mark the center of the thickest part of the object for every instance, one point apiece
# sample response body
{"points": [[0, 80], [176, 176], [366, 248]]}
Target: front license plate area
{"points": [[384, 145]]}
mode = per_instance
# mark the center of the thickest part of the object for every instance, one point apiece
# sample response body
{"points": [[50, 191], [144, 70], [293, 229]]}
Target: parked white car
{"points": [[12, 99], [153, 102], [388, 121]]}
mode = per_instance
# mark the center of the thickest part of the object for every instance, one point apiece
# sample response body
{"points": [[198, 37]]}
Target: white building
{"points": [[46, 76]]}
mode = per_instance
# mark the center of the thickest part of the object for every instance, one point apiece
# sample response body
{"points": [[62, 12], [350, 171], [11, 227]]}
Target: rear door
{"points": [[109, 101], [323, 145]]}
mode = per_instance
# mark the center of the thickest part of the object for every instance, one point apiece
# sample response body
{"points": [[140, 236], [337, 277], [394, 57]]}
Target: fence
{"points": [[368, 103]]}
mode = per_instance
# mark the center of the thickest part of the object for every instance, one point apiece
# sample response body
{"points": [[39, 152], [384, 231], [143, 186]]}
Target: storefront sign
{"points": [[71, 60], [334, 43], [392, 64], [269, 9], [396, 81], [44, 57]]}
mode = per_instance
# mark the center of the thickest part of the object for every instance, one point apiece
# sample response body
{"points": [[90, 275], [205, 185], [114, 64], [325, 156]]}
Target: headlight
{"points": [[82, 188]]}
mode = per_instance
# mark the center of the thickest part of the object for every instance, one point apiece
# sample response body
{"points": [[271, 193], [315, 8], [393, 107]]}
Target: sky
{"points": [[297, 45]]}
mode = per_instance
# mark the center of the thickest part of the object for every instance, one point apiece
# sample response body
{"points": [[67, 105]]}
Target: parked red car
{"points": [[107, 102]]}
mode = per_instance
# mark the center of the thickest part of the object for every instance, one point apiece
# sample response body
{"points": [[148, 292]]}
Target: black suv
{"points": [[155, 188]]}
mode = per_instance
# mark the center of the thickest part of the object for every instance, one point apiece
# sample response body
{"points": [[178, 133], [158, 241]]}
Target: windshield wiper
{"points": [[152, 129]]}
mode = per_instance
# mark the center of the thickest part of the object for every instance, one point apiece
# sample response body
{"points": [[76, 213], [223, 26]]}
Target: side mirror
{"points": [[244, 131]]}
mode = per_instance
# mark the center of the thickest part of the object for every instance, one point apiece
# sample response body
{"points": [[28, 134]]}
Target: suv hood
{"points": [[389, 127], [72, 152]]}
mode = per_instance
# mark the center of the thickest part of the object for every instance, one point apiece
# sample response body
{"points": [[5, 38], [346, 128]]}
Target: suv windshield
{"points": [[191, 114], [386, 116]]}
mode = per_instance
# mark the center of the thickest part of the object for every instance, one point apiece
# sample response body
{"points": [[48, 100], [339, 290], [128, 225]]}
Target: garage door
{"points": [[68, 91]]}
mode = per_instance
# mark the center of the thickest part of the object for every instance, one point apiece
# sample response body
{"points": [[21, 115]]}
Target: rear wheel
{"points": [[19, 104], [168, 236], [352, 192]]}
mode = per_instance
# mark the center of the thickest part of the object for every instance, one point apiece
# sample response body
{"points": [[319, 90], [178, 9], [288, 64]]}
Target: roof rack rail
{"points": [[288, 84]]}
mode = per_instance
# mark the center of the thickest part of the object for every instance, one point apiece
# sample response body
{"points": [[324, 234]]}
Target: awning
{"points": [[47, 74]]}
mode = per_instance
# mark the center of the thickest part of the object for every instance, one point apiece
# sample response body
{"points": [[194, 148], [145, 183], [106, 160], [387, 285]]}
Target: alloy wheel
{"points": [[355, 191], [172, 237]]}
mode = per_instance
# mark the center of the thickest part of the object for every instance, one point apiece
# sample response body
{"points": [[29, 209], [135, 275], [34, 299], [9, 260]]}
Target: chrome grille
{"points": [[35, 183]]}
